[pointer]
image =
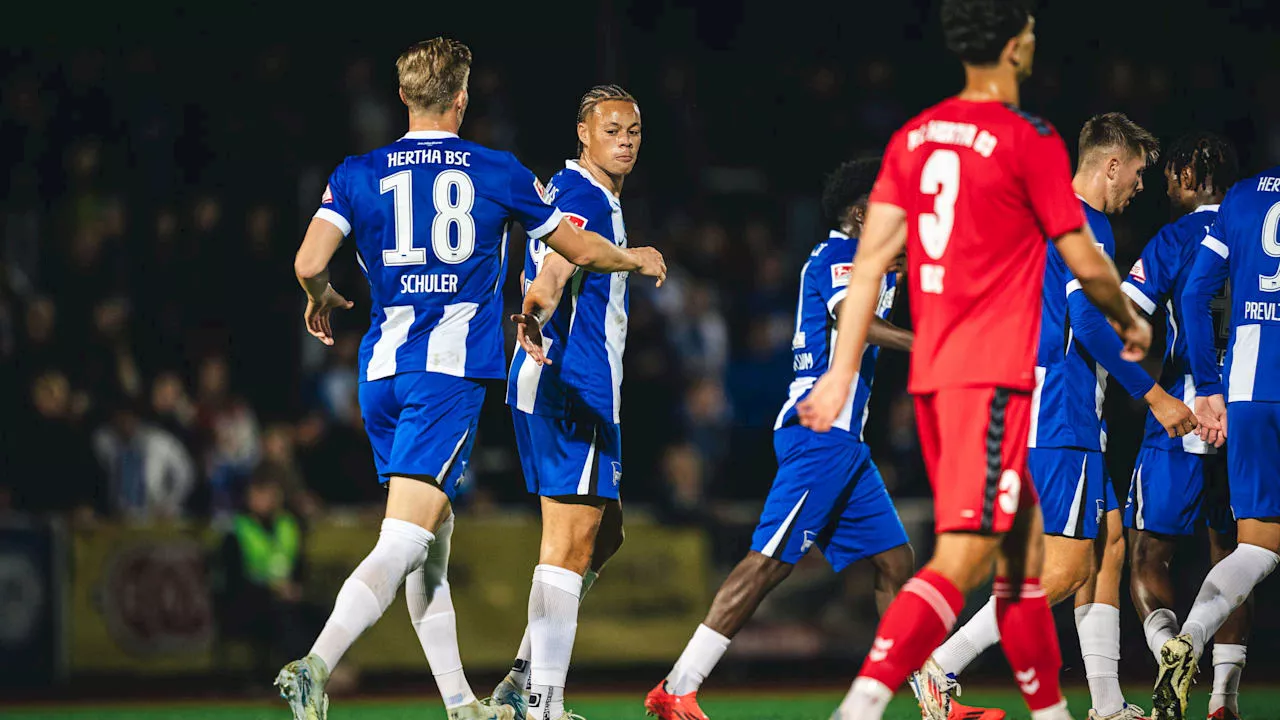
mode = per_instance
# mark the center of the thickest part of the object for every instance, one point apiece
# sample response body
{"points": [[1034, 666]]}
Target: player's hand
{"points": [[819, 410], [1173, 414], [529, 335], [1212, 413], [651, 263], [1136, 337], [317, 313]]}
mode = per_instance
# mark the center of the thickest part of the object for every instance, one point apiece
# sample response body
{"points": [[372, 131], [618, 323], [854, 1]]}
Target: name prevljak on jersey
{"points": [[953, 133], [429, 156]]}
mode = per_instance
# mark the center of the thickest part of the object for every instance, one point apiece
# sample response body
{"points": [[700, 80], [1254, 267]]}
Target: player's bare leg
{"points": [[570, 526], [514, 689], [1226, 588], [1229, 643], [1098, 624], [415, 511]]}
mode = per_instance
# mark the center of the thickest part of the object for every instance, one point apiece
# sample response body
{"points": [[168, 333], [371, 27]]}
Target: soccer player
{"points": [[827, 493], [1244, 244], [1077, 351], [429, 214], [564, 391], [972, 187], [1180, 482]]}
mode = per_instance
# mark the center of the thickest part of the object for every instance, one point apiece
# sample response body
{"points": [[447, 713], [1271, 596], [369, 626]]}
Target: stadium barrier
{"points": [[140, 599]]}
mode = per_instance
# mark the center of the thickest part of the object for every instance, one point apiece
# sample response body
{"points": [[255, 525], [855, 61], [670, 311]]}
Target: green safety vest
{"points": [[268, 555]]}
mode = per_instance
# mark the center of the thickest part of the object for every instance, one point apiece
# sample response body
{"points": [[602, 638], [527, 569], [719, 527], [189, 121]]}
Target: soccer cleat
{"points": [[302, 682], [663, 705], [936, 691], [1224, 713], [509, 693], [1128, 712], [1173, 684], [478, 711]]}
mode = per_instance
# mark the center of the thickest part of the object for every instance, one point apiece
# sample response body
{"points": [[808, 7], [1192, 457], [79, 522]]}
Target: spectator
{"points": [[229, 429], [52, 464], [150, 475]]}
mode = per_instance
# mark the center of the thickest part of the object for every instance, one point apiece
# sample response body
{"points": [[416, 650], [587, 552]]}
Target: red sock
{"points": [[1030, 641], [916, 622]]}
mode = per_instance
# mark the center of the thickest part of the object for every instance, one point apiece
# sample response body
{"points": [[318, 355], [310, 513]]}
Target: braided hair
{"points": [[597, 95], [1211, 158]]}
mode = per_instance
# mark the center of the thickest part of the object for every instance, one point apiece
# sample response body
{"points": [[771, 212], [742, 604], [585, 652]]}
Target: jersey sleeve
{"points": [[335, 203], [1207, 276], [526, 204], [1046, 172], [889, 187], [1094, 333], [1151, 278], [829, 275]]}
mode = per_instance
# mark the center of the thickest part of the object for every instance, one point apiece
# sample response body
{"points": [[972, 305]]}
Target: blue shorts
{"points": [[1253, 459], [563, 457], [1071, 484], [827, 493], [1108, 487], [422, 425], [1173, 491]]}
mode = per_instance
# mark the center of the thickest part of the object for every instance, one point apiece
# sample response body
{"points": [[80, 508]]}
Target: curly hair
{"points": [[597, 95], [1211, 158], [978, 30], [846, 185]]}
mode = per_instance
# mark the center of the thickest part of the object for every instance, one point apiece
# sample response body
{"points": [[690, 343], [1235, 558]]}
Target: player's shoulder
{"points": [[1029, 121], [835, 248], [572, 185]]}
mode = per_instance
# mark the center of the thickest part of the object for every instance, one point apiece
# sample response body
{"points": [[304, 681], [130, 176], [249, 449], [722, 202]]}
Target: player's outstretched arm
{"points": [[311, 265], [884, 233], [1101, 283], [1207, 276], [593, 252], [540, 301]]}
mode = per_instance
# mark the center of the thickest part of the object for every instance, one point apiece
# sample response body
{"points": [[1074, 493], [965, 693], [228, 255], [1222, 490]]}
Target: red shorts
{"points": [[974, 441]]}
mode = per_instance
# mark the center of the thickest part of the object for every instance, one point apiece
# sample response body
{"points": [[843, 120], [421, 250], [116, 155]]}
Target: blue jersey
{"points": [[1243, 244], [430, 214], [823, 283], [1158, 278], [585, 337], [1066, 405]]}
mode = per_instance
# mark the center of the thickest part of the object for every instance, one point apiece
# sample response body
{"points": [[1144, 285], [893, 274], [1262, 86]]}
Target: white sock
{"points": [[1225, 588], [866, 700], [1053, 712], [365, 596], [431, 611], [1160, 627], [699, 658], [553, 623], [1098, 626], [966, 644], [520, 668], [1228, 663]]}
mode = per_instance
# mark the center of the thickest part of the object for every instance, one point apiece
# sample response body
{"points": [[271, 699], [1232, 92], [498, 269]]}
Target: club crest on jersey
{"points": [[1138, 272], [810, 537], [576, 219], [617, 473], [840, 274], [327, 197]]}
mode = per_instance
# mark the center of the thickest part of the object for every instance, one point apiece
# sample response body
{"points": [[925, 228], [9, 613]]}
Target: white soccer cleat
{"points": [[476, 711], [302, 682], [1128, 712], [509, 693], [933, 689], [1178, 664]]}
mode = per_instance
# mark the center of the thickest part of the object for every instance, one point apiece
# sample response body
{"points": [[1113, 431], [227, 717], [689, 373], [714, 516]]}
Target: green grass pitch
{"points": [[1255, 704]]}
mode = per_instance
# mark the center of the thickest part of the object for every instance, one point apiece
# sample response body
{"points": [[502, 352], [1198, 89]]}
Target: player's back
{"points": [[430, 213], [982, 185], [1247, 233]]}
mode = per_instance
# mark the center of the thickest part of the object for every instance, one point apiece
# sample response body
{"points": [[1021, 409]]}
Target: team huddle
{"points": [[1019, 319]]}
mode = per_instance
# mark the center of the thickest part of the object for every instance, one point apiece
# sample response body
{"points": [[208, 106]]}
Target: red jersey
{"points": [[983, 184]]}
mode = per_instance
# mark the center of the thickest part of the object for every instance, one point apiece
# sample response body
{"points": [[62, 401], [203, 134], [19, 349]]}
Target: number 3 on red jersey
{"points": [[940, 178]]}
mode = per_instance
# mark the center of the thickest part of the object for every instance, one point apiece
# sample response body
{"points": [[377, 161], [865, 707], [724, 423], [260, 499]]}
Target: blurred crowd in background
{"points": [[153, 363]]}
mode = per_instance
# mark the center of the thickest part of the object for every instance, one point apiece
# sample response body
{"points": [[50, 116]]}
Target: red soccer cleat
{"points": [[964, 712], [1223, 713], [663, 705]]}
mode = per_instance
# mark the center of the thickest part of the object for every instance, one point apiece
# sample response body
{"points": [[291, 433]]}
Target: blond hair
{"points": [[433, 72]]}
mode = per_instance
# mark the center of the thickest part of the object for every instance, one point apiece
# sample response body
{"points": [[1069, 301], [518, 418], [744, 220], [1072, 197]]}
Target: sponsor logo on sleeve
{"points": [[1138, 272], [576, 219], [840, 274], [327, 198]]}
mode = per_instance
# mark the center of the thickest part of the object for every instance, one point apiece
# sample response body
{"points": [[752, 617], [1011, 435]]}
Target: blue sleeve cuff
{"points": [[1211, 388]]}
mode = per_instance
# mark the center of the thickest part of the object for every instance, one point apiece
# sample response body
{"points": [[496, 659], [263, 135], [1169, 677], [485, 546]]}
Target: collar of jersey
{"points": [[837, 234], [1206, 208], [574, 166], [428, 135]]}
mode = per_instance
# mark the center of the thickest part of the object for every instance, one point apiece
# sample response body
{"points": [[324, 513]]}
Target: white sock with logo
{"points": [[971, 640], [368, 592], [699, 658], [553, 624], [520, 668]]}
